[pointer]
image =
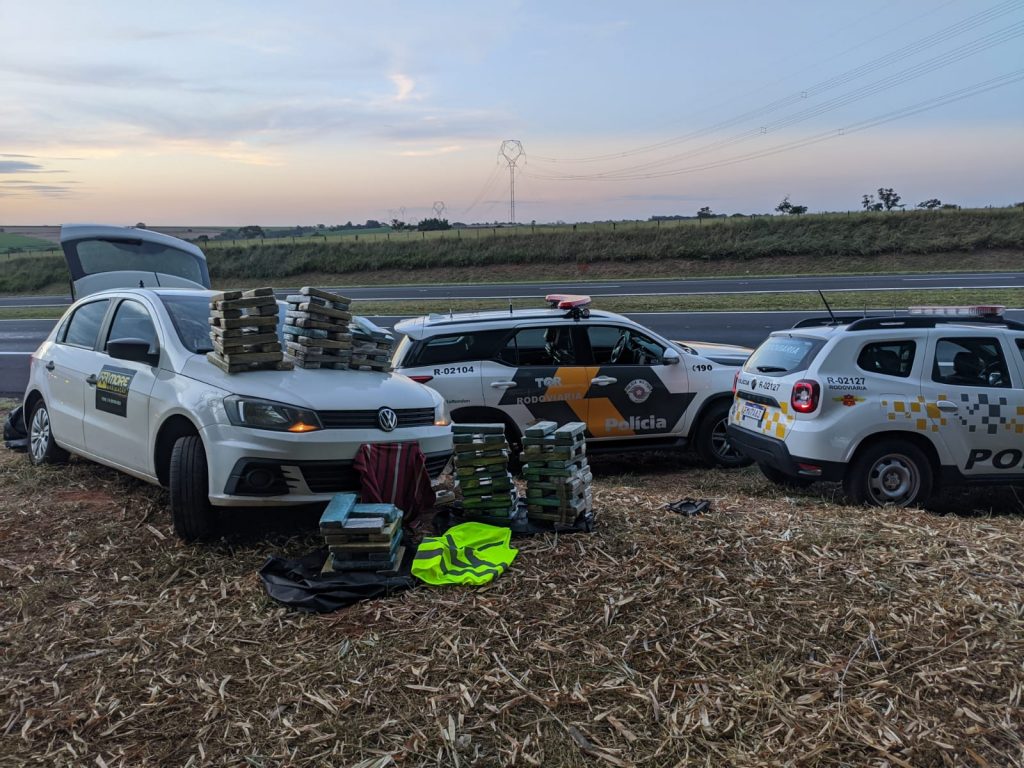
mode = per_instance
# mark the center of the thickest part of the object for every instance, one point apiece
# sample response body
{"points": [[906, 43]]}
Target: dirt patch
{"points": [[779, 629]]}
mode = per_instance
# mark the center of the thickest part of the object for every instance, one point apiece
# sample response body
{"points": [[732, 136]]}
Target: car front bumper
{"points": [[773, 452], [260, 468]]}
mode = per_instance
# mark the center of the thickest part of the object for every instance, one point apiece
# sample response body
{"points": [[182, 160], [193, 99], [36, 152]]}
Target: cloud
{"points": [[17, 188], [663, 196], [404, 86], [433, 152], [19, 166]]}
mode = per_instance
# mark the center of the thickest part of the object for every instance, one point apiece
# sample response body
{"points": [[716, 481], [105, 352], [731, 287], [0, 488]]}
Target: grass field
{"points": [[10, 241], [781, 628], [918, 241]]}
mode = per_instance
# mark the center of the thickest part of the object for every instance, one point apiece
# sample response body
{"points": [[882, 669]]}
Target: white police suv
{"points": [[632, 388], [892, 407], [123, 380]]}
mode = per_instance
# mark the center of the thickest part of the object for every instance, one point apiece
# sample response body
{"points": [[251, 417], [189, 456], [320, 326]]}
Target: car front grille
{"points": [[436, 463], [329, 476], [407, 417]]}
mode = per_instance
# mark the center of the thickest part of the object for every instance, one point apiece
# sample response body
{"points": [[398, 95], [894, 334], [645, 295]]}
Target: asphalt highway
{"points": [[644, 287], [19, 338]]}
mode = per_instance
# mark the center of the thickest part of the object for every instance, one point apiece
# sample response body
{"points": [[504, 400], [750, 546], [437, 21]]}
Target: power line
{"points": [[922, 44], [887, 117], [512, 151], [918, 70]]}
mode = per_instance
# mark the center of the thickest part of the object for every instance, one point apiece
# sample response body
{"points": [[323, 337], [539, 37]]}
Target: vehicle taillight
{"points": [[421, 379], [735, 379], [806, 393]]}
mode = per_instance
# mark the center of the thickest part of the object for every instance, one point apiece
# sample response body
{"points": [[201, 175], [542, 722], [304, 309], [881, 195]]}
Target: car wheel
{"points": [[713, 445], [891, 474], [190, 502], [42, 448], [783, 480]]}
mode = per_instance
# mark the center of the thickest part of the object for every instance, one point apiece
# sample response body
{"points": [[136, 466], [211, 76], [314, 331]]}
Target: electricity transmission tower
{"points": [[512, 151], [439, 208]]}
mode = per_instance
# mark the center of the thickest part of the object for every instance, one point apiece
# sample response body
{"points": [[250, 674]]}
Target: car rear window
{"points": [[888, 358], [780, 355]]}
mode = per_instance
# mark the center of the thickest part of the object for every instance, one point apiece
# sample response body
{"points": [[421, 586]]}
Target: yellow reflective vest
{"points": [[470, 553]]}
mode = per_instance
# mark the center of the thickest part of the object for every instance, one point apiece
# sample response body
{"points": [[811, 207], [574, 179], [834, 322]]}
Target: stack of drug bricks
{"points": [[371, 347], [361, 537], [481, 470], [243, 329], [558, 477], [316, 331]]}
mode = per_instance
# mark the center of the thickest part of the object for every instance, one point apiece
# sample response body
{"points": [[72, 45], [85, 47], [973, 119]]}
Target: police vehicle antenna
{"points": [[831, 314]]}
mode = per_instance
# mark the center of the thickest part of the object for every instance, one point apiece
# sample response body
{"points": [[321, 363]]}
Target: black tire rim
{"points": [[39, 434], [721, 446], [894, 480]]}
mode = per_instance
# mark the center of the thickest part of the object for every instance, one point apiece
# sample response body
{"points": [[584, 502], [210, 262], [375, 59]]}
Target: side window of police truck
{"points": [[455, 348], [888, 358], [611, 345], [84, 326], [970, 362], [540, 346], [132, 321], [783, 354]]}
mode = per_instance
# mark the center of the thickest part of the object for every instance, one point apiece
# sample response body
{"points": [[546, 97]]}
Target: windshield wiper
{"points": [[770, 369]]}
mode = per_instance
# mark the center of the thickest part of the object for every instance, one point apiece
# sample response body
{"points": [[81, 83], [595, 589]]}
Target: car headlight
{"points": [[266, 414], [441, 418]]}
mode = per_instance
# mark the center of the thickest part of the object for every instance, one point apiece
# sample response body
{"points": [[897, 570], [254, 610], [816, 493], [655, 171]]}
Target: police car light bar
{"points": [[981, 310], [567, 301]]}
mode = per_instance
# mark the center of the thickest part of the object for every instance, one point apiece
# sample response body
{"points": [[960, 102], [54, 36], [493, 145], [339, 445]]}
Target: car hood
{"points": [[726, 354], [323, 390]]}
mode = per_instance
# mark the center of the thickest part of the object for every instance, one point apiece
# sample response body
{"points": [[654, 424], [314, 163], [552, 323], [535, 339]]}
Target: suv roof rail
{"points": [[818, 322], [876, 323]]}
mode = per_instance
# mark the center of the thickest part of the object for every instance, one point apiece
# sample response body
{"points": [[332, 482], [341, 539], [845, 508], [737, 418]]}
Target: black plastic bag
{"points": [[300, 584], [15, 432]]}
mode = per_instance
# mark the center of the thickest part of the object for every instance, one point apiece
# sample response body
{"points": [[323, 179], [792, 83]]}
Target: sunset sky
{"points": [[229, 113]]}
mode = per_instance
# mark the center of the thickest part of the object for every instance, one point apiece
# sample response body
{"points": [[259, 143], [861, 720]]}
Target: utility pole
{"points": [[512, 151]]}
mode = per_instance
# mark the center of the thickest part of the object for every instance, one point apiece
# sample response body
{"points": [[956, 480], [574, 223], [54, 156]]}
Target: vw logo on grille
{"points": [[387, 419]]}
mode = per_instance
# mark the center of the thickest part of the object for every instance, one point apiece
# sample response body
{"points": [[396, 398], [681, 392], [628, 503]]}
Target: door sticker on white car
{"points": [[452, 370], [112, 387], [845, 382], [638, 390]]}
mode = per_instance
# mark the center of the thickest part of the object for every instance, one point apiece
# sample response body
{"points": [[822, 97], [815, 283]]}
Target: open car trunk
{"points": [[103, 258]]}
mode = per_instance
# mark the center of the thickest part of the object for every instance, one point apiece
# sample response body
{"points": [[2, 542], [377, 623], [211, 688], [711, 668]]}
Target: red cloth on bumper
{"points": [[396, 473]]}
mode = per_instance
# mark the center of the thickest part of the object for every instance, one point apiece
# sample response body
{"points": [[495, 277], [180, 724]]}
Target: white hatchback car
{"points": [[123, 380]]}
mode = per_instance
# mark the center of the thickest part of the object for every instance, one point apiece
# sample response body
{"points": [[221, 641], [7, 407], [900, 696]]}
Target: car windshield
{"points": [[190, 315]]}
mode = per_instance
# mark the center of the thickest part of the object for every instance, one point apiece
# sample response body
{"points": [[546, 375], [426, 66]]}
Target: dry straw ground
{"points": [[783, 630]]}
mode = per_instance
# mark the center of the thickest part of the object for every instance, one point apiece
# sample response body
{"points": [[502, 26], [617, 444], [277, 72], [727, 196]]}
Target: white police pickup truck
{"points": [[123, 380], [892, 407], [632, 388]]}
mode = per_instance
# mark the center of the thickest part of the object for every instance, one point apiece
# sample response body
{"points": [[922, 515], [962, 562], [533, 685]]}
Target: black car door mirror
{"points": [[136, 350]]}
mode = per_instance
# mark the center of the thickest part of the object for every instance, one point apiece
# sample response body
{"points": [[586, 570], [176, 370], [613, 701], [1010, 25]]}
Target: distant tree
{"points": [[889, 198], [140, 225], [868, 201], [203, 239], [930, 204], [397, 225], [786, 207], [250, 232], [434, 224], [705, 212], [372, 224]]}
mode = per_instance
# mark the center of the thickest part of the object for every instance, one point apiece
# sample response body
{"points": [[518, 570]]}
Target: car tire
{"points": [[42, 447], [783, 480], [189, 486], [712, 442], [892, 473]]}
